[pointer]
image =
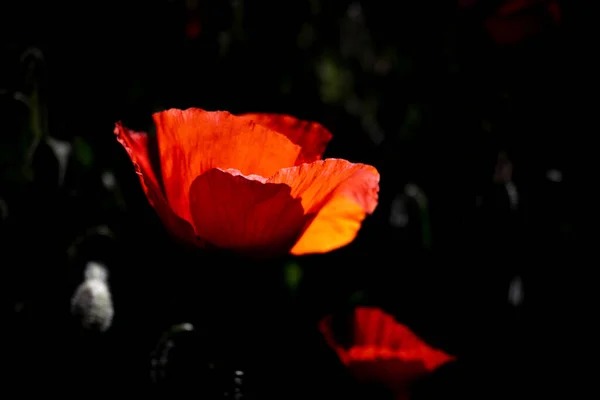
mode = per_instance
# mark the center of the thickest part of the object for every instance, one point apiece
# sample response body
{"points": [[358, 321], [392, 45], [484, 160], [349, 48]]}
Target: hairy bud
{"points": [[92, 301]]}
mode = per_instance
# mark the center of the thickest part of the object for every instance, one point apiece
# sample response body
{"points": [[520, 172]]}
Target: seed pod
{"points": [[92, 301]]}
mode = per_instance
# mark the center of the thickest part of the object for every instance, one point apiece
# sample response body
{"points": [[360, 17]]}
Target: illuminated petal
{"points": [[311, 136], [245, 213], [194, 141], [337, 195], [140, 147]]}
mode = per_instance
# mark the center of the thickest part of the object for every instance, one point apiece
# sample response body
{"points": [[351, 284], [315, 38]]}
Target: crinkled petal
{"points": [[337, 195], [194, 141], [140, 146], [245, 213], [311, 136]]}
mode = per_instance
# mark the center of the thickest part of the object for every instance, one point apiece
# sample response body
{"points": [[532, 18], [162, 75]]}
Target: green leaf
{"points": [[357, 297], [414, 192], [83, 152], [292, 273]]}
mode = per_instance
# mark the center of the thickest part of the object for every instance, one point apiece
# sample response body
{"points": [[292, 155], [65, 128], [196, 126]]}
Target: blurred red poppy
{"points": [[253, 183], [516, 20], [383, 351], [193, 26]]}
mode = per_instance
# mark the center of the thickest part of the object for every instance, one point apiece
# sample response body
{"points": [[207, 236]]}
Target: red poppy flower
{"points": [[384, 351], [253, 183], [515, 20], [193, 27]]}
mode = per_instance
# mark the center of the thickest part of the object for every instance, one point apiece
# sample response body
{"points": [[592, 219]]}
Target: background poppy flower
{"points": [[383, 351], [253, 183], [515, 20]]}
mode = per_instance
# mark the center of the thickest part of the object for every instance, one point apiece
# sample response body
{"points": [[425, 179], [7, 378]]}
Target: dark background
{"points": [[418, 89]]}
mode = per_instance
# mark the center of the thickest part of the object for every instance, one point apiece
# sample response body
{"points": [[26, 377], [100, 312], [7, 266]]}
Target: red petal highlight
{"points": [[139, 148], [194, 141], [311, 136], [245, 214], [337, 195]]}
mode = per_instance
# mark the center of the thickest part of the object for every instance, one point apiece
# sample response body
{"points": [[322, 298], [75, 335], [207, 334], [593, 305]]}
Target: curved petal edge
{"points": [[311, 136], [137, 145], [337, 195]]}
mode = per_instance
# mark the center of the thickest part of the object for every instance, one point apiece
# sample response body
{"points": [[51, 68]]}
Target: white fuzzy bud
{"points": [[92, 301]]}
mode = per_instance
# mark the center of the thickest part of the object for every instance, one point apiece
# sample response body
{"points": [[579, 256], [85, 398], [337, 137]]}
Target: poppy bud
{"points": [[554, 175], [238, 382], [515, 291], [162, 353], [187, 360], [108, 180], [92, 301]]}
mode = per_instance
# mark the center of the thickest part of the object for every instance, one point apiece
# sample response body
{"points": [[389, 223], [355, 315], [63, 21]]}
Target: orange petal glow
{"points": [[194, 141], [251, 213], [311, 136], [337, 195], [139, 146], [236, 184]]}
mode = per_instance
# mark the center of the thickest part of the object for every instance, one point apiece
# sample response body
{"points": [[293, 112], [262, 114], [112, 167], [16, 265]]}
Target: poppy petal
{"points": [[394, 373], [139, 146], [393, 359], [337, 195], [311, 136], [194, 141], [245, 213]]}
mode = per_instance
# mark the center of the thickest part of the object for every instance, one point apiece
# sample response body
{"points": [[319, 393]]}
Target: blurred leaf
{"points": [[238, 20], [415, 193], [45, 165], [36, 117], [292, 276], [62, 152], [83, 152], [413, 115], [16, 139], [412, 120], [357, 297], [3, 209], [315, 7], [336, 82]]}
